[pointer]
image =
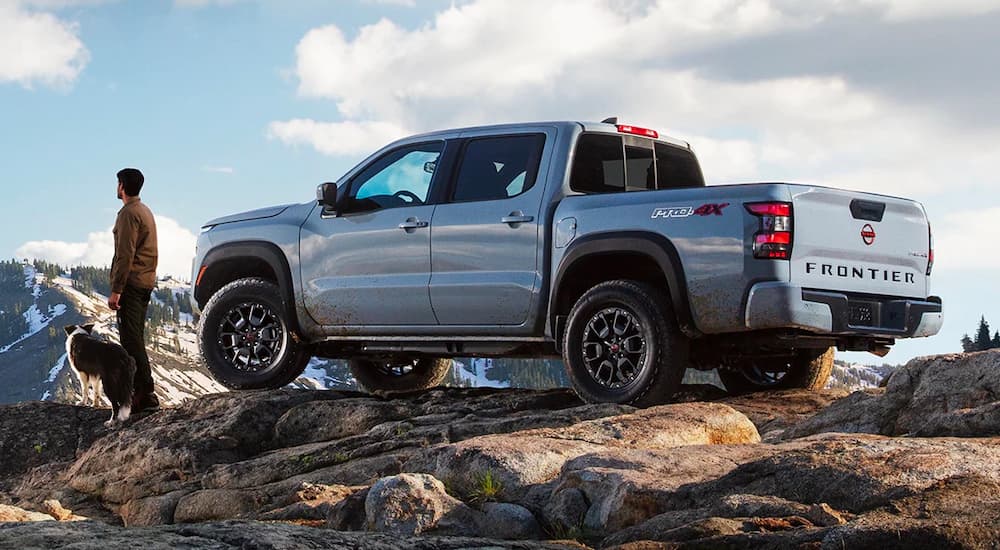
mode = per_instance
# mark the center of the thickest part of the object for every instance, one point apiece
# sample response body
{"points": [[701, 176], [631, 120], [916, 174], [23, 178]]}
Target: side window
{"points": [[401, 177], [598, 164], [639, 169], [498, 167], [677, 167]]}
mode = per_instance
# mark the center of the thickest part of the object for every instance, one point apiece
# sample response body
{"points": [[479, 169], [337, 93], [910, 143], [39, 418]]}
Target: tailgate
{"points": [[857, 242]]}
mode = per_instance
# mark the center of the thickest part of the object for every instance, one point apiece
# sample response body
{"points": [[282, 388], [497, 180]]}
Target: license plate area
{"points": [[862, 314]]}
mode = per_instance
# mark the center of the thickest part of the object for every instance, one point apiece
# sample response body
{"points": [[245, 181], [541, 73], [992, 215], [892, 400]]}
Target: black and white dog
{"points": [[102, 363]]}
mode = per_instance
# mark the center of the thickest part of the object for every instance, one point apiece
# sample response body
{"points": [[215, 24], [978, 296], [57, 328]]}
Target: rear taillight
{"points": [[930, 250], [773, 240]]}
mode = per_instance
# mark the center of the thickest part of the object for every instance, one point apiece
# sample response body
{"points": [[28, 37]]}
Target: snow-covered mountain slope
{"points": [[855, 376], [34, 366], [33, 362]]}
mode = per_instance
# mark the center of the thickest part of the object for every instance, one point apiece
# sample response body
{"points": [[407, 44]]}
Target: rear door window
{"points": [[598, 165], [498, 167]]}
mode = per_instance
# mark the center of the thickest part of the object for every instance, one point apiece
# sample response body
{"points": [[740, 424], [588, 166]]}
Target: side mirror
{"points": [[326, 196]]}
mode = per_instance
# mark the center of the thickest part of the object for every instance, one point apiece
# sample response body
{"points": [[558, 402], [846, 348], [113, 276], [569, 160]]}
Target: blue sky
{"points": [[228, 105], [183, 93]]}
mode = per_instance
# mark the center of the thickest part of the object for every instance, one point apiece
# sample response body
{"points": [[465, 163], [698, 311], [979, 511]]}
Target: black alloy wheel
{"points": [[245, 339], [614, 347], [251, 336], [398, 374], [622, 345], [808, 369]]}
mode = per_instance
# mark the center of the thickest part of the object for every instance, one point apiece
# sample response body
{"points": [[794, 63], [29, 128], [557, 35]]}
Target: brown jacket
{"points": [[135, 248]]}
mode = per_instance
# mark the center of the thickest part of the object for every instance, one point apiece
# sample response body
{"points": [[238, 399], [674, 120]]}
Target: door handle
{"points": [[516, 217], [413, 223]]}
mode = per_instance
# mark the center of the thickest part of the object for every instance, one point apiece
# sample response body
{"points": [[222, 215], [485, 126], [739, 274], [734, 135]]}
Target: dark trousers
{"points": [[132, 328]]}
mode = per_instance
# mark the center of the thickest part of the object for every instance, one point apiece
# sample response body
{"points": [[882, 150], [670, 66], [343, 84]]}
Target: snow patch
{"points": [[54, 372], [37, 321], [316, 376], [474, 374]]}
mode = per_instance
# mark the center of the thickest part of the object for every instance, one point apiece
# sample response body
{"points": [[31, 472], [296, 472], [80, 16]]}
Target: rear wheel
{"points": [[399, 374], [622, 345], [806, 369], [245, 339]]}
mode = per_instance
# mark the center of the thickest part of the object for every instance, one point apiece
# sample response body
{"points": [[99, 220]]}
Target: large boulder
{"points": [[776, 411], [944, 395], [857, 473], [39, 433], [503, 520], [411, 504], [528, 458], [13, 513], [626, 487]]}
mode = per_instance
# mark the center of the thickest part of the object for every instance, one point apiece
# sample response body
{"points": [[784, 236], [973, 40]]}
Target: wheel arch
{"points": [[239, 260], [634, 255]]}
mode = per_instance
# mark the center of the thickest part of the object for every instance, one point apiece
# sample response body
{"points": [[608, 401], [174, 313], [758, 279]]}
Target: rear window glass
{"points": [[605, 163], [640, 171], [676, 168], [599, 164]]}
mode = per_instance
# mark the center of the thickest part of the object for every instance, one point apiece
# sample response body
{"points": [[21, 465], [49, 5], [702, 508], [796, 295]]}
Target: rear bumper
{"points": [[781, 305]]}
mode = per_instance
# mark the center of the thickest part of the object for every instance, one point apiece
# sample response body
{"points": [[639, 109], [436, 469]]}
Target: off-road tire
{"points": [[374, 375], [658, 376], [287, 364], [807, 369]]}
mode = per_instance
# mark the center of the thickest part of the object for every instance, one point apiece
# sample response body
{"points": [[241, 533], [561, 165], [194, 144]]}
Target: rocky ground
{"points": [[914, 465]]}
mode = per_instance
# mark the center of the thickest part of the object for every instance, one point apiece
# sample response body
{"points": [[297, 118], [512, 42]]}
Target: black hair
{"points": [[131, 180]]}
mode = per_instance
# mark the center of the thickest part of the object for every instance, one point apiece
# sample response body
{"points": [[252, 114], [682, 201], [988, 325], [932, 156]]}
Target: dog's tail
{"points": [[119, 380]]}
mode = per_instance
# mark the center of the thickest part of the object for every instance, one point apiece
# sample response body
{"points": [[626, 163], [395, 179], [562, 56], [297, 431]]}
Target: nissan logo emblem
{"points": [[868, 234]]}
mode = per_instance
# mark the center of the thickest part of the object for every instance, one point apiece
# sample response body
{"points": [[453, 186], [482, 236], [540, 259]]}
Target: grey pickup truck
{"points": [[596, 242]]}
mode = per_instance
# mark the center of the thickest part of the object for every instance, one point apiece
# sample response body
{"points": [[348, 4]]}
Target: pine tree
{"points": [[967, 344], [996, 340], [983, 340]]}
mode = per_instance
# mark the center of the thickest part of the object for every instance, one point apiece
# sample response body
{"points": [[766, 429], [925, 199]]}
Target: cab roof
{"points": [[602, 127]]}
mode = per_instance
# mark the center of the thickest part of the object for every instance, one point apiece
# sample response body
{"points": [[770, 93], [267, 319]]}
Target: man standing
{"points": [[133, 276]]}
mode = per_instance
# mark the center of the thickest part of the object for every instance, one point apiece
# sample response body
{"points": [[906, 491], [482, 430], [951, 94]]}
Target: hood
{"points": [[269, 212]]}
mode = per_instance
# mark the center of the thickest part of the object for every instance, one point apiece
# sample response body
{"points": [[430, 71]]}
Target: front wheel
{"points": [[245, 340], [805, 369], [399, 374], [622, 345]]}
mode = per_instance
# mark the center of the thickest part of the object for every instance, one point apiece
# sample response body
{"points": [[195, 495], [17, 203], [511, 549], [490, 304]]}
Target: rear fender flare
{"points": [[654, 246]]}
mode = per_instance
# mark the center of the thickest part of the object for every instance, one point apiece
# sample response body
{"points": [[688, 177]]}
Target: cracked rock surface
{"points": [[915, 464]]}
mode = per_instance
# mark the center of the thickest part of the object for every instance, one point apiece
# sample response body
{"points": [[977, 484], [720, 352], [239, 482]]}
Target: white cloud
{"points": [[176, 248], [336, 138], [39, 48], [219, 169], [926, 9], [496, 61], [967, 239]]}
